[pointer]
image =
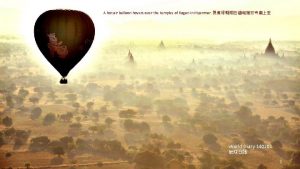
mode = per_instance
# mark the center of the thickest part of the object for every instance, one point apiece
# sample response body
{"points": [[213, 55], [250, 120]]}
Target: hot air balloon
{"points": [[64, 37]]}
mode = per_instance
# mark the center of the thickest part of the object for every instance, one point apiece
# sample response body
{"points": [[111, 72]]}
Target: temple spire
{"points": [[161, 45], [130, 57], [270, 51]]}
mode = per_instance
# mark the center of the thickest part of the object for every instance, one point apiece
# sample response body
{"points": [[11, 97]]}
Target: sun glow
{"points": [[18, 18]]}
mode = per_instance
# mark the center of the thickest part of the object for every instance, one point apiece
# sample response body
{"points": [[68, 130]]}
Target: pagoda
{"points": [[161, 45], [270, 51], [130, 57]]}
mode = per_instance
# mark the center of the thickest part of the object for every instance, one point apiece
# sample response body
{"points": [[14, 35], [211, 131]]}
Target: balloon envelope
{"points": [[64, 37]]}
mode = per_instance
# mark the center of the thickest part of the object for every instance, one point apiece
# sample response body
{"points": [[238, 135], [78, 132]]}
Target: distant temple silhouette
{"points": [[161, 45], [193, 62], [270, 51], [130, 57]]}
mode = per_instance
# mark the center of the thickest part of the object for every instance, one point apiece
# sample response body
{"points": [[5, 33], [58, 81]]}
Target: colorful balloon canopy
{"points": [[64, 37]]}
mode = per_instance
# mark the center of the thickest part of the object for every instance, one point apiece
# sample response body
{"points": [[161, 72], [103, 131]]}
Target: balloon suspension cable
{"points": [[63, 80]]}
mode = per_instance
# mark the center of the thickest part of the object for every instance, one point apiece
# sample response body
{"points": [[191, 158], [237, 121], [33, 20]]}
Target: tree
{"points": [[23, 93], [129, 113], [39, 143], [191, 166], [34, 100], [173, 145], [36, 113], [229, 167], [51, 95], [66, 117], [8, 154], [103, 109], [129, 125], [132, 126], [53, 144], [261, 166], [180, 90], [58, 151], [235, 164], [74, 129], [83, 145], [117, 103], [144, 103], [175, 164], [76, 105], [19, 100], [37, 90], [21, 137], [244, 112], [277, 145], [99, 164], [23, 134], [194, 92], [93, 129], [144, 127], [67, 143], [291, 166], [149, 159], [208, 160], [210, 139], [10, 132], [66, 140], [18, 143], [166, 119], [57, 161], [9, 102], [49, 119], [76, 126], [175, 107], [89, 106], [7, 121], [27, 165], [95, 116], [71, 155], [111, 148], [71, 97], [78, 119], [250, 136], [295, 158], [109, 121], [2, 142]]}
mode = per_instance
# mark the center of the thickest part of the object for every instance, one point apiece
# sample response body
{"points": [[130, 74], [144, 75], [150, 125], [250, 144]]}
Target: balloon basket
{"points": [[63, 81]]}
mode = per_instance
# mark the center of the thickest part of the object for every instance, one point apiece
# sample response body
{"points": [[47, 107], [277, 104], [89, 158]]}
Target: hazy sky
{"points": [[18, 17]]}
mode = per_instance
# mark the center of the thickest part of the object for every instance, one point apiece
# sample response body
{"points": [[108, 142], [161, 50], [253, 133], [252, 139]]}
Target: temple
{"points": [[130, 57], [161, 45], [270, 51]]}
